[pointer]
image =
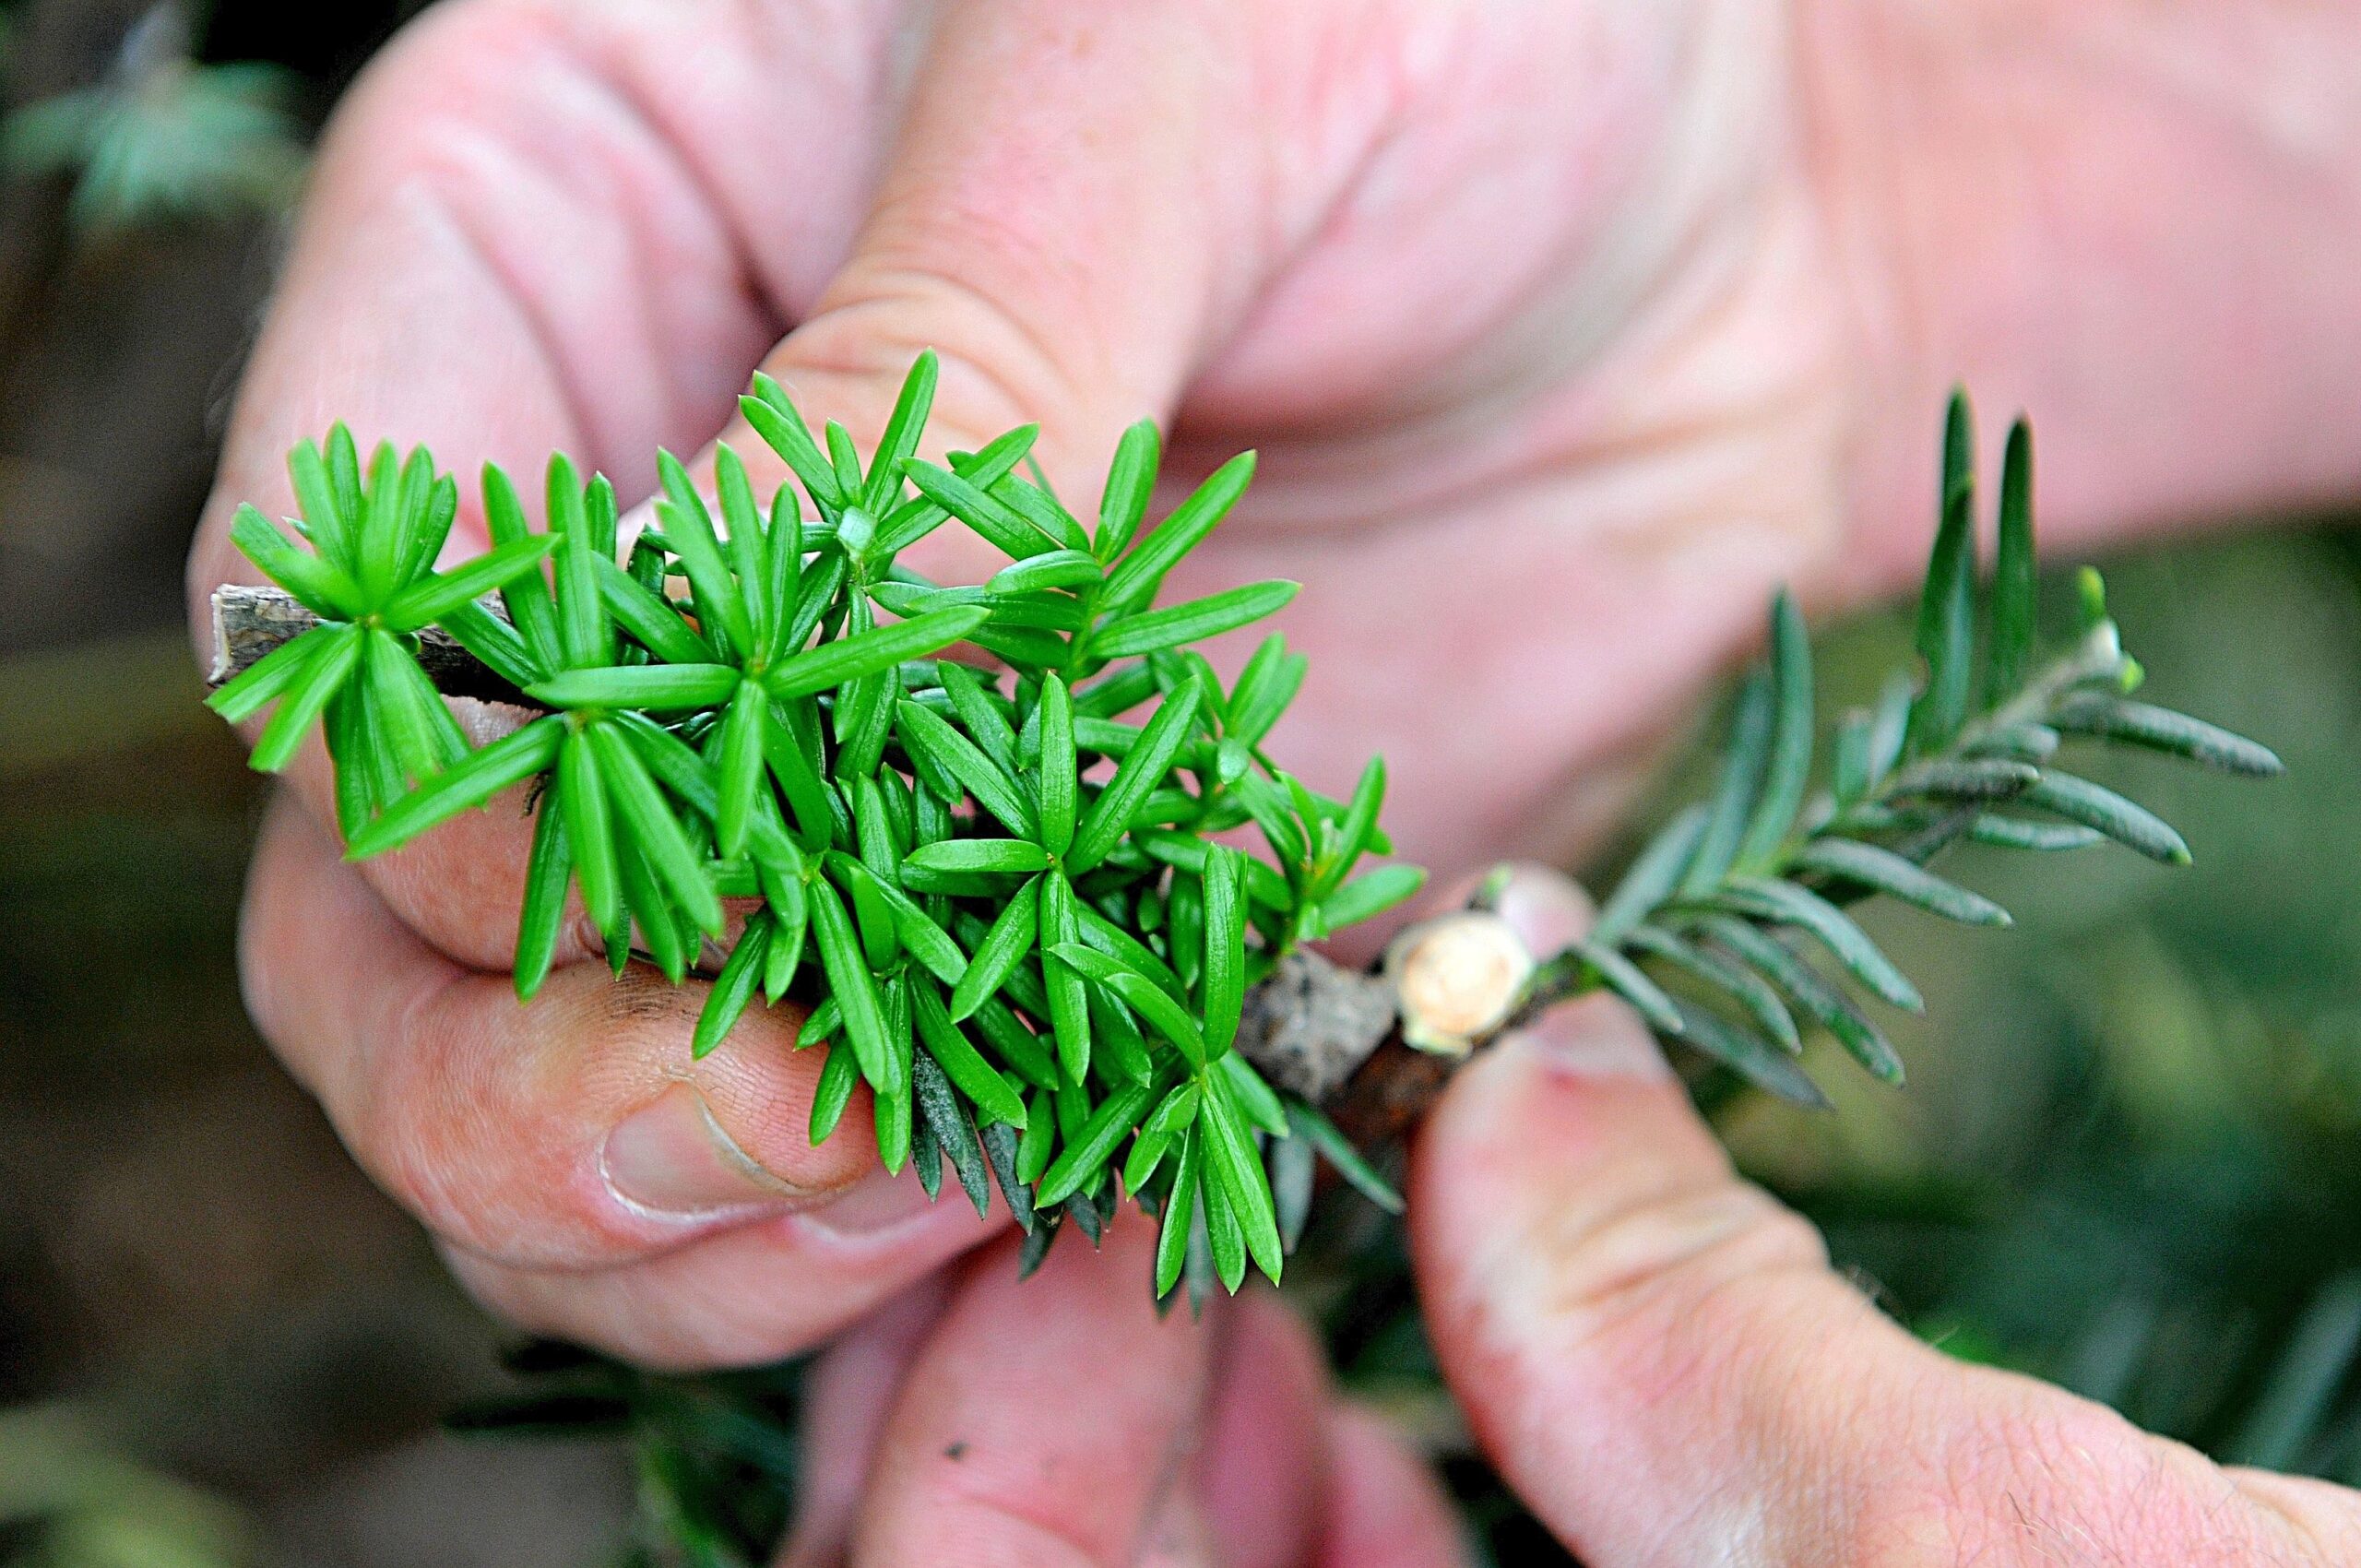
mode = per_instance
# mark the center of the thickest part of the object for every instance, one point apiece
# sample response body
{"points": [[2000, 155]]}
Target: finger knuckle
{"points": [[416, 1136], [478, 1116], [2036, 1477], [998, 367]]}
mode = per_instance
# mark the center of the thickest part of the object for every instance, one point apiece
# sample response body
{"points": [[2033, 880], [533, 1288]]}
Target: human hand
{"points": [[984, 1419], [1661, 1363], [1549, 328], [577, 226]]}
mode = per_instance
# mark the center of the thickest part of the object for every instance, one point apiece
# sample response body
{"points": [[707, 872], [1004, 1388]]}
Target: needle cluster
{"points": [[1730, 935], [1006, 894]]}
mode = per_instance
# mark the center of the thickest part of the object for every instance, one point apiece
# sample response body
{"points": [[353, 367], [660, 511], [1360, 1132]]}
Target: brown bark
{"points": [[250, 622]]}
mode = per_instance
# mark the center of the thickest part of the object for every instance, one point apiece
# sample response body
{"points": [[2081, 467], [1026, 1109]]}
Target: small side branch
{"points": [[248, 623], [1312, 1024]]}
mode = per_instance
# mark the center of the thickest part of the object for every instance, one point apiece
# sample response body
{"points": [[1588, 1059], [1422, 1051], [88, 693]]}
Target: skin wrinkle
{"points": [[400, 1119], [2055, 1530], [1709, 528], [534, 1105], [1052, 1542], [1594, 462], [1032, 156], [1601, 650], [694, 1325], [1243, 253], [2153, 201], [1051, 1519], [2024, 1469], [918, 231], [689, 1308], [474, 871], [1306, 327], [408, 1132], [1566, 280], [896, 290], [353, 1078], [1663, 225], [767, 313], [1519, 1282], [791, 253], [1855, 133], [1341, 151], [611, 449], [1853, 173], [463, 162], [1670, 1362], [1868, 323]]}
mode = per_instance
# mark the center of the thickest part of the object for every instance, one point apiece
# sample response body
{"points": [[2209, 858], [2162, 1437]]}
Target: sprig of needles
{"points": [[1006, 894], [368, 577], [1722, 932]]}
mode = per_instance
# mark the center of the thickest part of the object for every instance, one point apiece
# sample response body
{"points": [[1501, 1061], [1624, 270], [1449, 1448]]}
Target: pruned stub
{"points": [[1458, 976]]}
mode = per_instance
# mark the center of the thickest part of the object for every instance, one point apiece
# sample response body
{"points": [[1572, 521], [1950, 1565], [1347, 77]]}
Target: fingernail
{"points": [[877, 1202], [671, 1158], [1544, 907], [1590, 1037]]}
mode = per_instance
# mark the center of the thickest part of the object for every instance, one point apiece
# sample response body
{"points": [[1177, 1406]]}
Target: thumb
{"points": [[1062, 218], [1659, 1359], [1598, 1279]]}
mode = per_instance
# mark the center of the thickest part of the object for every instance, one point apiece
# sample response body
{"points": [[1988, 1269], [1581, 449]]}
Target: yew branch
{"points": [[1338, 1038]]}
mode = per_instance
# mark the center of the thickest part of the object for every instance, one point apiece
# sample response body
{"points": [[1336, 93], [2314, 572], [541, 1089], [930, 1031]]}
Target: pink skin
{"points": [[1058, 1420], [1665, 1367], [1565, 330]]}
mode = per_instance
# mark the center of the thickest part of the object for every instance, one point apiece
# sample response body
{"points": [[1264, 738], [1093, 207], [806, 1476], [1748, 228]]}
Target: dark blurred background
{"points": [[218, 1345], [2127, 1157]]}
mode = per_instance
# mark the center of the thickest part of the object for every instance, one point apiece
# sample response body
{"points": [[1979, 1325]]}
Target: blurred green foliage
{"points": [[161, 135], [73, 1500], [2127, 1159]]}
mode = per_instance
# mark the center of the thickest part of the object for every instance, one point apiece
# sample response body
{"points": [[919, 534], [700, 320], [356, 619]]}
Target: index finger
{"points": [[1044, 1418], [502, 257]]}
